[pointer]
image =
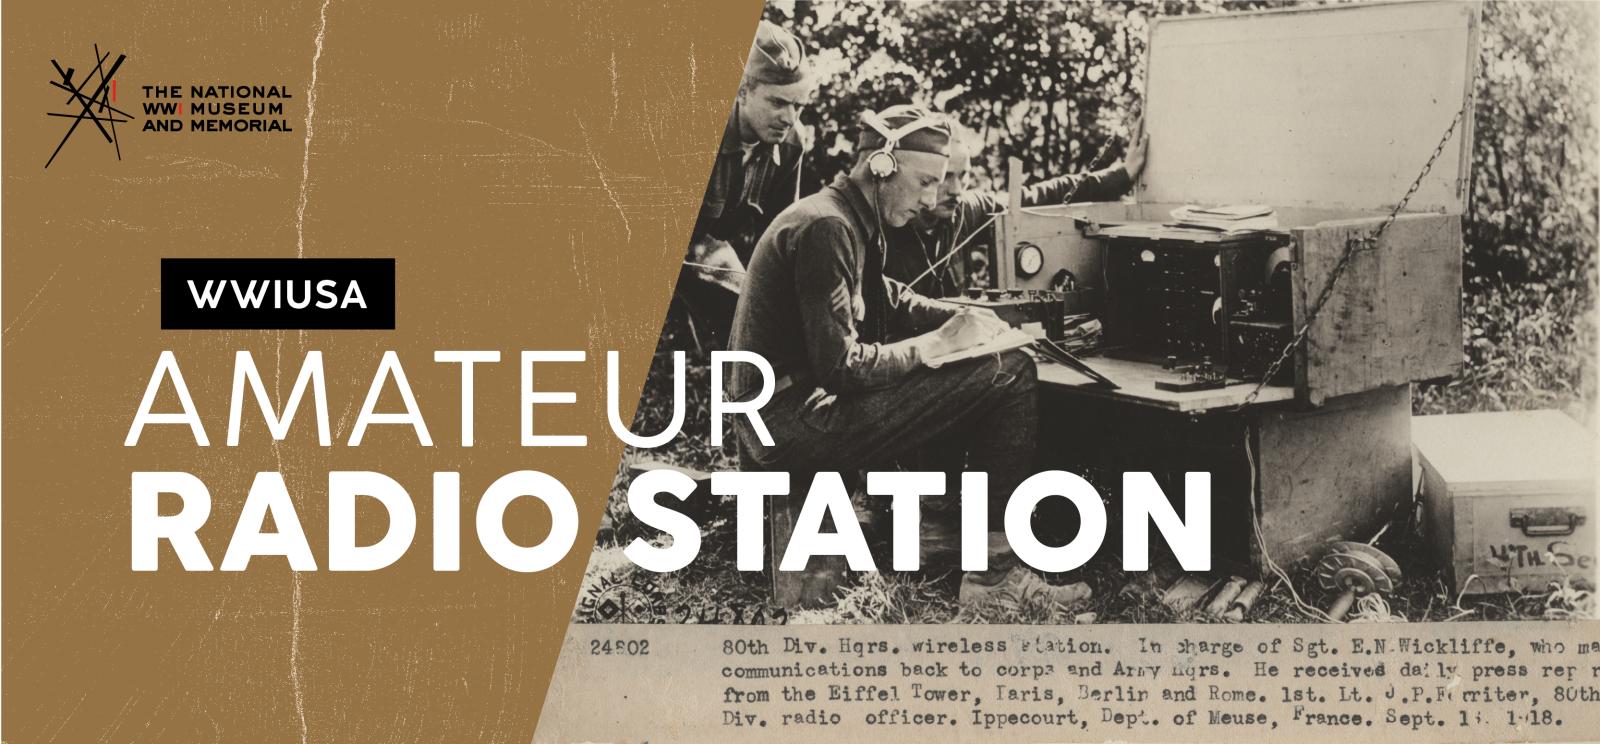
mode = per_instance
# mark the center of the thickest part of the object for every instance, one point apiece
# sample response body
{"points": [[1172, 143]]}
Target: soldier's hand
{"points": [[965, 330], [987, 316], [1138, 150]]}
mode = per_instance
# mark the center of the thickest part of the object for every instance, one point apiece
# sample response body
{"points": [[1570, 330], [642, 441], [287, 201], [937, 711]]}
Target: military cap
{"points": [[776, 57]]}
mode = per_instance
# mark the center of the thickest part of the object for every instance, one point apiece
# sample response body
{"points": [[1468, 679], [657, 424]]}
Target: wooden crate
{"points": [[1510, 498], [1338, 472]]}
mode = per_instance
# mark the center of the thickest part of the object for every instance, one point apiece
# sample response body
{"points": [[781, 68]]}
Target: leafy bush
{"points": [[1530, 274]]}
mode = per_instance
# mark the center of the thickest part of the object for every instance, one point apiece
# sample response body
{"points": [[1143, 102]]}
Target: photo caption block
{"points": [[1414, 683]]}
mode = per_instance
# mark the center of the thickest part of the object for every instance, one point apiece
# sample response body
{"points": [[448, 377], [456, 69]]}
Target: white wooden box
{"points": [[1510, 498]]}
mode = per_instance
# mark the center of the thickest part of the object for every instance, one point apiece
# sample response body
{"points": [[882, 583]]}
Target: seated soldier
{"points": [[958, 214], [849, 346]]}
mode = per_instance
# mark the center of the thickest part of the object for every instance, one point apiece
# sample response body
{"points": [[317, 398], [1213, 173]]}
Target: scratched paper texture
{"points": [[532, 167]]}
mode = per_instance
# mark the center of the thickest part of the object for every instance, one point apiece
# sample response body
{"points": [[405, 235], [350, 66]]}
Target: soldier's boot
{"points": [[1009, 581]]}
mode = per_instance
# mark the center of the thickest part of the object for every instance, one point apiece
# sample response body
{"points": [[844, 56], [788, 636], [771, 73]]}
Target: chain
{"points": [[1352, 245]]}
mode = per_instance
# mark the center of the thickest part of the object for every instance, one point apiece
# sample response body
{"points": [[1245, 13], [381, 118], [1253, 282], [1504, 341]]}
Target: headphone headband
{"points": [[882, 163], [921, 119]]}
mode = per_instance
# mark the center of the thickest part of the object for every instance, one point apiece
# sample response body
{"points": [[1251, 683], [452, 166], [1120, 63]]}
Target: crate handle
{"points": [[1547, 521]]}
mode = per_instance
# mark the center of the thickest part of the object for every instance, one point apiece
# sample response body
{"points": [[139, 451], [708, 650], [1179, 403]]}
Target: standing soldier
{"points": [[756, 175]]}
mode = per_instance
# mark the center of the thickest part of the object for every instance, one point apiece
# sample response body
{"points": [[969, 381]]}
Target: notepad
{"points": [[1011, 339], [1229, 219]]}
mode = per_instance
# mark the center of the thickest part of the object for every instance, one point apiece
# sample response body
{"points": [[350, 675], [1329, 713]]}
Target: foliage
{"points": [[1053, 83], [1528, 346], [1529, 267], [1534, 180]]}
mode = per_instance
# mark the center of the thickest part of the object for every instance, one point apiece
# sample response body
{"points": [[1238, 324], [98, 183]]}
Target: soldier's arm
{"points": [[1102, 185], [914, 313], [973, 212], [825, 284]]}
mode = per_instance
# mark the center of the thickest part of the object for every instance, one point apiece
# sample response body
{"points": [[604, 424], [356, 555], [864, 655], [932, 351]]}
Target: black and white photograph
{"points": [[1338, 257]]}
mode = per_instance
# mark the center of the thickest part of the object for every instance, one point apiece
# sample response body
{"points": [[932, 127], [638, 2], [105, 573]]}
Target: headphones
{"points": [[882, 164]]}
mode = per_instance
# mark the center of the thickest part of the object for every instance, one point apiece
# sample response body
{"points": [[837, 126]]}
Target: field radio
{"points": [[1183, 297], [1276, 110]]}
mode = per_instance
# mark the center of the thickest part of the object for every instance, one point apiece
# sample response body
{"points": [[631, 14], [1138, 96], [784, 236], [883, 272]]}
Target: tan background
{"points": [[533, 167]]}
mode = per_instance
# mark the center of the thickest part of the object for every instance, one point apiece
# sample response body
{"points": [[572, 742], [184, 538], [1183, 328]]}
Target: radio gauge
{"points": [[1030, 260]]}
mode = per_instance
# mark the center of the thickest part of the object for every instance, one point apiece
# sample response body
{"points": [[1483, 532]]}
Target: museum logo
{"points": [[90, 102], [91, 98]]}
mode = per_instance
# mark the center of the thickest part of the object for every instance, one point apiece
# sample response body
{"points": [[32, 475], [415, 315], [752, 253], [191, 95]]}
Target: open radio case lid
{"points": [[1331, 107]]}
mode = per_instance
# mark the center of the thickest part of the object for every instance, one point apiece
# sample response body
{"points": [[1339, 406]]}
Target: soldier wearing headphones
{"points": [[849, 345], [960, 218]]}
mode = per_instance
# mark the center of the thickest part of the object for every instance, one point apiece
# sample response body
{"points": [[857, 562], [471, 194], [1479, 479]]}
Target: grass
{"points": [[1527, 347]]}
